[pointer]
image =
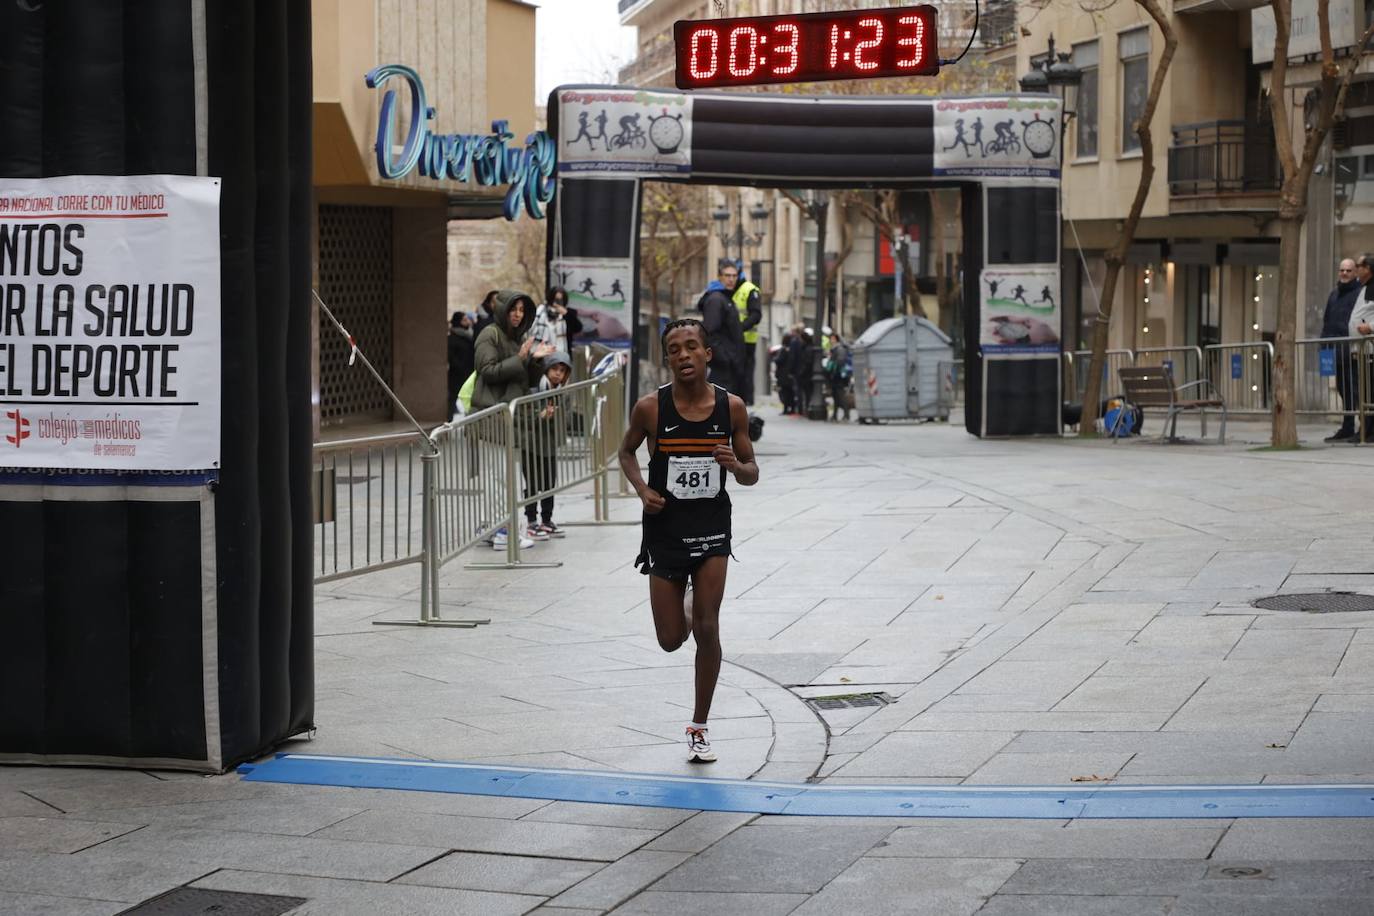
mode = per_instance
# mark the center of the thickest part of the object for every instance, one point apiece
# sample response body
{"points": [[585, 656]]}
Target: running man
{"points": [[686, 509]]}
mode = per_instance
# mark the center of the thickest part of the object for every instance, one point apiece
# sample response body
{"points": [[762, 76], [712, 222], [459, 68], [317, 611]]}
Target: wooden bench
{"points": [[1153, 386]]}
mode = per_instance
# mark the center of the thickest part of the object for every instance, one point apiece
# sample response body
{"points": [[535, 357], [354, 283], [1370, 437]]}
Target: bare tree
{"points": [[1297, 175], [1116, 255], [672, 235]]}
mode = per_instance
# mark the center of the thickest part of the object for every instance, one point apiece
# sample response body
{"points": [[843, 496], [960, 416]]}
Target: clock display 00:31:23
{"points": [[854, 44]]}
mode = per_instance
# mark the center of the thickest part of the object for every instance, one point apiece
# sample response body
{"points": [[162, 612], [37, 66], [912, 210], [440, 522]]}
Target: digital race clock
{"points": [[850, 44]]}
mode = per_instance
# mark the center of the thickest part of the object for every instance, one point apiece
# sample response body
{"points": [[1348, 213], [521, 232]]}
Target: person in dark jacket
{"points": [[484, 313], [782, 373], [724, 337], [1335, 323], [460, 355]]}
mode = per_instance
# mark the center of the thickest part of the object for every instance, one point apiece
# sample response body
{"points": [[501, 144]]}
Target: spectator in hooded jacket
{"points": [[506, 367], [484, 312]]}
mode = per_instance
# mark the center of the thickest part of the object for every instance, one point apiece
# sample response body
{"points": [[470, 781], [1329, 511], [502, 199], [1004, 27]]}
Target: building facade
{"points": [[1203, 268], [381, 250]]}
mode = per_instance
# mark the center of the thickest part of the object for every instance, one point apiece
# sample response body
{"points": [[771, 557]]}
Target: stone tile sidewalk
{"points": [[1037, 612]]}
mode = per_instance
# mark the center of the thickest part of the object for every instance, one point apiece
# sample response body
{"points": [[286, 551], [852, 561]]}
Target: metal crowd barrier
{"points": [[1185, 363], [951, 383], [367, 497], [1323, 366], [1077, 365], [1243, 374]]}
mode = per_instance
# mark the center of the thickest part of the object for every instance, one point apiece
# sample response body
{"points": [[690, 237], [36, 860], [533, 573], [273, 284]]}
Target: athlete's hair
{"points": [[682, 323]]}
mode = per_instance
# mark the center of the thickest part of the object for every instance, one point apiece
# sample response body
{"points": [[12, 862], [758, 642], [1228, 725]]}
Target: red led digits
{"points": [[794, 33], [868, 43], [846, 44], [913, 41], [713, 54], [748, 36]]}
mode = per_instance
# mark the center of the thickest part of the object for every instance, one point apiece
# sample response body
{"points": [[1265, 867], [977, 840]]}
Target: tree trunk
{"points": [[1285, 427]]}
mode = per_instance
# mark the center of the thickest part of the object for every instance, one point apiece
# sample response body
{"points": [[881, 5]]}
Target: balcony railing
{"points": [[1222, 157], [998, 25], [648, 66]]}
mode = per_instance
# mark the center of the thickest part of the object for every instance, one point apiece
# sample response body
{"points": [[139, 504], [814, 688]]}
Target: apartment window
{"points": [[1135, 83], [1085, 138]]}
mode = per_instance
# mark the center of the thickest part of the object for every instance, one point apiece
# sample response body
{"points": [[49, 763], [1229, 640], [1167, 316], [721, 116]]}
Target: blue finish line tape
{"points": [[748, 796]]}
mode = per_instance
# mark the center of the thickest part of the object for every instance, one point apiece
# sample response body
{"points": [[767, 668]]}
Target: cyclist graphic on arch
{"points": [[960, 139], [631, 134], [616, 290], [1019, 295], [589, 288], [1005, 141], [1045, 296]]}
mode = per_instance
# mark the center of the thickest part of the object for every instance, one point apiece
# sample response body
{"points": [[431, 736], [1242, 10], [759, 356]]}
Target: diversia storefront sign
{"points": [[485, 159]]}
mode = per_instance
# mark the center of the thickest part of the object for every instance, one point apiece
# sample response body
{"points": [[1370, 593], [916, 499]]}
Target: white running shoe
{"points": [[699, 746], [499, 541]]}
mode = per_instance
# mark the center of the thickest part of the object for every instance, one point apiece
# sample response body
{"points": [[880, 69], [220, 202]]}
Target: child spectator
{"points": [[544, 425]]}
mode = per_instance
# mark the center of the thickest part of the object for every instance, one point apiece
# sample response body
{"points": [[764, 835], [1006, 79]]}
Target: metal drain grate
{"points": [[849, 701], [1317, 603], [199, 901]]}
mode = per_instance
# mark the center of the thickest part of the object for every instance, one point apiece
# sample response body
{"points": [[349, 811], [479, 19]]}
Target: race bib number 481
{"points": [[693, 477]]}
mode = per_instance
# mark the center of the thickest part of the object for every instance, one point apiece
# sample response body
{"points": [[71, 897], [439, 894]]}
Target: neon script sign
{"points": [[463, 157]]}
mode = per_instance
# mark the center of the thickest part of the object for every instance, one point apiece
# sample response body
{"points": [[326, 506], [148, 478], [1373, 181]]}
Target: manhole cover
{"points": [[1317, 603], [1236, 871], [850, 701], [199, 901]]}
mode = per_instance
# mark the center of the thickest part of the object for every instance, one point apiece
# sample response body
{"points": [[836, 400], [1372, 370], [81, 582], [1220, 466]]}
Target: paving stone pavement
{"points": [[1039, 612]]}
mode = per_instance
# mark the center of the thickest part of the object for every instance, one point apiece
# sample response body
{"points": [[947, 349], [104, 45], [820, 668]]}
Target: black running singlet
{"points": [[695, 521]]}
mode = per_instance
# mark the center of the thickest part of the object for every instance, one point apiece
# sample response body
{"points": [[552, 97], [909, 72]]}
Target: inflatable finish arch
{"points": [[1002, 152], [168, 621]]}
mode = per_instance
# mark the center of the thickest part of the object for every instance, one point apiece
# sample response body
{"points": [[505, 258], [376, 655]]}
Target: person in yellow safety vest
{"points": [[745, 295]]}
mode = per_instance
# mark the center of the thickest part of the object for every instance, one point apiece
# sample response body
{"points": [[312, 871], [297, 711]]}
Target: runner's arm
{"points": [[738, 457], [643, 421]]}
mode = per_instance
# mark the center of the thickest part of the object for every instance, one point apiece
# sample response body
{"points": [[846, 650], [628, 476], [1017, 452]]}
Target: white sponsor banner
{"points": [[1013, 137], [624, 132], [602, 291], [1020, 308], [110, 323], [1304, 35]]}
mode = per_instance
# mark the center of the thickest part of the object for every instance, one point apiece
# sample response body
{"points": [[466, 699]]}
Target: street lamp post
{"points": [[1057, 73], [758, 215], [818, 209]]}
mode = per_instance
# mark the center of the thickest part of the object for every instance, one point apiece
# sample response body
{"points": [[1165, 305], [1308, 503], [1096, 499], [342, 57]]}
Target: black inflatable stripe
{"points": [[299, 374], [596, 217], [21, 91], [862, 170], [159, 88], [233, 122], [856, 113], [273, 285], [782, 140], [971, 212], [83, 89]]}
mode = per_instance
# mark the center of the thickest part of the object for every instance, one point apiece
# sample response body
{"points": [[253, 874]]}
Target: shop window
{"points": [[1085, 58], [1134, 48]]}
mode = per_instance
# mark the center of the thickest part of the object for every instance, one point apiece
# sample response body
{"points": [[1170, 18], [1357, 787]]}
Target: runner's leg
{"points": [[708, 588], [670, 622]]}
